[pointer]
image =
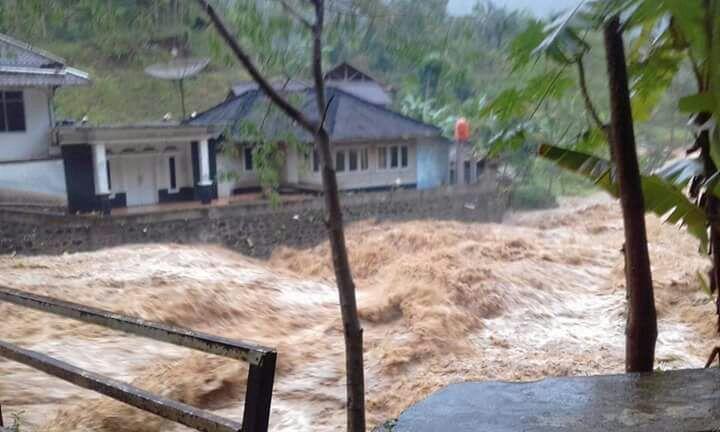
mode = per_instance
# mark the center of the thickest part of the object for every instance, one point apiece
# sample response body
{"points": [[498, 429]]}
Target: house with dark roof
{"points": [[374, 147], [90, 167], [95, 168], [29, 157]]}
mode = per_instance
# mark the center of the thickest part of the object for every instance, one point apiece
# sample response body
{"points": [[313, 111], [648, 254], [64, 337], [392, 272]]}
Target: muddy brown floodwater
{"points": [[441, 302]]}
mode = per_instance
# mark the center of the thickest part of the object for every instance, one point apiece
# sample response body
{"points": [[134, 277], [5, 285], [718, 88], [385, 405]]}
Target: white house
{"points": [[134, 165], [30, 163], [91, 168], [375, 147], [96, 168]]}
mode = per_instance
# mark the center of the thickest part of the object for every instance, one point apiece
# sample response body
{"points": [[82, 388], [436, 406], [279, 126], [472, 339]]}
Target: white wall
{"points": [[373, 177], [46, 177], [183, 169], [432, 163], [124, 170], [34, 143], [231, 174]]}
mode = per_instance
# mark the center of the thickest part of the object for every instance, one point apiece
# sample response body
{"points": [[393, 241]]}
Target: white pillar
{"points": [[100, 166], [204, 156]]}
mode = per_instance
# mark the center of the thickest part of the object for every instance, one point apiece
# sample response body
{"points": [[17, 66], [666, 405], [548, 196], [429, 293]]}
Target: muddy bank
{"points": [[441, 302]]}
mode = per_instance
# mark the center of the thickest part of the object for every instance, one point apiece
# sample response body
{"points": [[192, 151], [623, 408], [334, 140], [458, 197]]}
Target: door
{"points": [[140, 182]]}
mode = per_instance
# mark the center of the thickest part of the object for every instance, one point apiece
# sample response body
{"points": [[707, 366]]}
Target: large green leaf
{"points": [[697, 103], [661, 197], [563, 44], [523, 46]]}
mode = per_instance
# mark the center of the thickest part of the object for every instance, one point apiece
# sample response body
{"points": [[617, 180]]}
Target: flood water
{"points": [[441, 302]]}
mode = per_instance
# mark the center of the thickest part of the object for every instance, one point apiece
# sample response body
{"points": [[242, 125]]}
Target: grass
{"points": [[123, 93]]}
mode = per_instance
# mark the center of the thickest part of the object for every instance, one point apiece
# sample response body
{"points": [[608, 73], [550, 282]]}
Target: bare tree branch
{"points": [[296, 14], [249, 65], [353, 332], [325, 112], [586, 98], [317, 30], [354, 363]]}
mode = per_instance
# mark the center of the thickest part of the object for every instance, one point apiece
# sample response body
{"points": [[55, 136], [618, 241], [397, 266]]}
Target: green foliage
{"points": [[563, 43], [661, 197], [269, 150]]}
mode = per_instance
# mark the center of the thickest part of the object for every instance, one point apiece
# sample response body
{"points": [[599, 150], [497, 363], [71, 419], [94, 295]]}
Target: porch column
{"points": [[204, 155], [204, 186], [102, 188]]}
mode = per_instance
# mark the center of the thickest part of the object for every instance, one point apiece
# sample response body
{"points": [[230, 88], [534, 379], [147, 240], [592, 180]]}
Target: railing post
{"points": [[259, 394]]}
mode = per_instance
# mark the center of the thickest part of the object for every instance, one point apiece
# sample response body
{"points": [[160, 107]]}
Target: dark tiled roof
{"points": [[241, 87], [369, 90], [349, 118], [22, 65]]}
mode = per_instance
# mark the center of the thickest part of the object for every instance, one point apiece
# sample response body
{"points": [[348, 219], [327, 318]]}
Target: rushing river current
{"points": [[441, 302]]}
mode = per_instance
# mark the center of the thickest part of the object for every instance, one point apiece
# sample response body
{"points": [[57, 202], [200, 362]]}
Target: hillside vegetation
{"points": [[441, 66]]}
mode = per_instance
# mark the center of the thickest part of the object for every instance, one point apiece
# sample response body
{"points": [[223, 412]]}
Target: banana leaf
{"points": [[661, 197]]}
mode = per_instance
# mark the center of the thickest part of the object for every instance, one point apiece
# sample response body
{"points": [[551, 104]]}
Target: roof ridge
{"points": [[26, 46], [387, 110], [359, 69], [214, 107]]}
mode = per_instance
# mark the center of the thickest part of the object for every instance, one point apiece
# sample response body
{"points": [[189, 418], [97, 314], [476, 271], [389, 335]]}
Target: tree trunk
{"points": [[641, 330], [355, 375], [712, 208], [354, 367]]}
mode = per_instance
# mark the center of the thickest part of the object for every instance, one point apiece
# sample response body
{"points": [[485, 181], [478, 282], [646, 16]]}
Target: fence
{"points": [[261, 375]]}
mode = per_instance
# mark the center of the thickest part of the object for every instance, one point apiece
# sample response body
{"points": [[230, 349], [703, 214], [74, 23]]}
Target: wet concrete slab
{"points": [[677, 401]]}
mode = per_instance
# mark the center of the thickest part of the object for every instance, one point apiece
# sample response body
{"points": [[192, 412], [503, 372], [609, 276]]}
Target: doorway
{"points": [[140, 181]]}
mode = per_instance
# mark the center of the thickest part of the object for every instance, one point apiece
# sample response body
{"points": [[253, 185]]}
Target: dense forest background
{"points": [[440, 65]]}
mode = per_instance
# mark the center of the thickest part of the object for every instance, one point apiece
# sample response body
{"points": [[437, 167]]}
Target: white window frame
{"points": [[357, 160], [364, 151], [384, 152], [344, 159]]}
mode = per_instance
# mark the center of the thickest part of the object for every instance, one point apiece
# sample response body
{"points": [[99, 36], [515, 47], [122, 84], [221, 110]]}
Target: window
{"points": [[382, 157], [248, 153], [353, 160], [316, 161], [364, 159], [393, 157], [173, 178], [107, 170], [12, 111], [340, 161], [479, 168], [466, 172], [404, 156]]}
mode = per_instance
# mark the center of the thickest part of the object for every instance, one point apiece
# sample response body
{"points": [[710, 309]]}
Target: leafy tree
{"points": [[665, 36], [334, 218]]}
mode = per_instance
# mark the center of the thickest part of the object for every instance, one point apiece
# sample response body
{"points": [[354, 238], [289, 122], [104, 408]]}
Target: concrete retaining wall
{"points": [[253, 229]]}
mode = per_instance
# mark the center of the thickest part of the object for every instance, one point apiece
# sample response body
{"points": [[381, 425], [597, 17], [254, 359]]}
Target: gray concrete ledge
{"points": [[677, 401]]}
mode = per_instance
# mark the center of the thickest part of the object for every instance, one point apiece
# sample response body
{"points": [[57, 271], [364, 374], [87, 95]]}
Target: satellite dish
{"points": [[178, 69]]}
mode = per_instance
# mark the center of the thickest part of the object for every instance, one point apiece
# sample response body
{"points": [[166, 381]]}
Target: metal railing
{"points": [[261, 359]]}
